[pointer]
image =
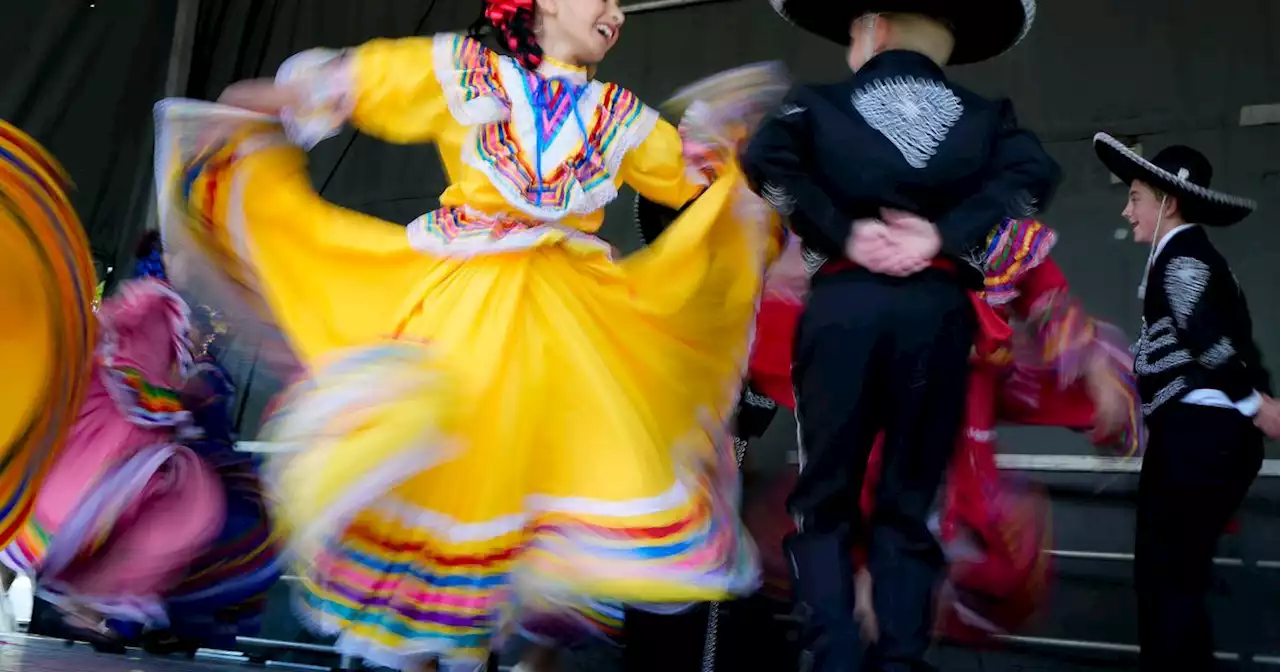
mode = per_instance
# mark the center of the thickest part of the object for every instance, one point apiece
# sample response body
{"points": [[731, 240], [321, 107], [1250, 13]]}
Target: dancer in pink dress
{"points": [[125, 508]]}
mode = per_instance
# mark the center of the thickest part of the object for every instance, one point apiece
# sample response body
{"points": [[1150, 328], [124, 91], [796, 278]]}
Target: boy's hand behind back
{"points": [[899, 244]]}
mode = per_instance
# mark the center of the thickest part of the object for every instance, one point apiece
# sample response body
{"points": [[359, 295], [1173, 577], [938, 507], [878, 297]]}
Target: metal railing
{"points": [[1077, 464], [1091, 464]]}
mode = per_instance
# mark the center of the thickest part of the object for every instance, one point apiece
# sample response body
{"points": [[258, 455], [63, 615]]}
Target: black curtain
{"points": [[243, 39], [81, 77]]}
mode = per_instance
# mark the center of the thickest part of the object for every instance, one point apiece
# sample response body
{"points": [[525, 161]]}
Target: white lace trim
{"points": [[476, 243], [914, 114], [700, 125], [325, 79]]}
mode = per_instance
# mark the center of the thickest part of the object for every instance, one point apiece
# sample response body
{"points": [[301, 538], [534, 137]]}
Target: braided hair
{"points": [[512, 23]]}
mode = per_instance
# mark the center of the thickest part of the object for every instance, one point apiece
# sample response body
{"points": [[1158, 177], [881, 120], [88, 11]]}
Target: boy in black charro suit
{"points": [[1202, 384], [892, 178]]}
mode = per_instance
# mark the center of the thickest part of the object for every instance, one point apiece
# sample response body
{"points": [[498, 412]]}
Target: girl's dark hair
{"points": [[149, 257], [148, 245], [513, 36]]}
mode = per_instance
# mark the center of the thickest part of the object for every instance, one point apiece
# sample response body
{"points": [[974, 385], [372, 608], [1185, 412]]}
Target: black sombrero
{"points": [[653, 218], [982, 29], [1178, 171]]}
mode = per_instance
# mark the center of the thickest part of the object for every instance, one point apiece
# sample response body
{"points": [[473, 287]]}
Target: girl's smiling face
{"points": [[579, 32]]}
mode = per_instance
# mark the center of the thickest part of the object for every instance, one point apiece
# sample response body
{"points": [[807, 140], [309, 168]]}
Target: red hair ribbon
{"points": [[500, 13]]}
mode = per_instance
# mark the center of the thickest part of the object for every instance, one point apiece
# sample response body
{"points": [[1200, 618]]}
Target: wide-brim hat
{"points": [[652, 218], [1178, 171], [46, 314], [982, 30]]}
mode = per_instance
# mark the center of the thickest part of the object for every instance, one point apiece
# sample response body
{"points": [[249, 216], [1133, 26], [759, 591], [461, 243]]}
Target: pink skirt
{"points": [[124, 509]]}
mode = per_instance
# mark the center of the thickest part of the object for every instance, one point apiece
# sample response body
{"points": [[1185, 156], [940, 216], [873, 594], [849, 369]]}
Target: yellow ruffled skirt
{"points": [[46, 326], [527, 429]]}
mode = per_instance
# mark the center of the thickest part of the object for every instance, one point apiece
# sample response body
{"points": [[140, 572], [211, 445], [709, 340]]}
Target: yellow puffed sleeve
{"points": [[404, 91], [657, 168], [397, 94]]}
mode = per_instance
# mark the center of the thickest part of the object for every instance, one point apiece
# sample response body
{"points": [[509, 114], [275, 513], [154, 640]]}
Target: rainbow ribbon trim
{"points": [[144, 403], [1013, 248]]}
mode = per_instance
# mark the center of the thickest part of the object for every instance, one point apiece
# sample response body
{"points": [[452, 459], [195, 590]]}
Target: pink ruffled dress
{"points": [[125, 508]]}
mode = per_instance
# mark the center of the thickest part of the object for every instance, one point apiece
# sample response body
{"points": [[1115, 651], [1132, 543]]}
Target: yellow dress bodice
{"points": [[550, 147]]}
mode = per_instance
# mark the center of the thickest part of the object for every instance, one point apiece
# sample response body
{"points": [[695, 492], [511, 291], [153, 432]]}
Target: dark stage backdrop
{"points": [[81, 76], [1152, 71]]}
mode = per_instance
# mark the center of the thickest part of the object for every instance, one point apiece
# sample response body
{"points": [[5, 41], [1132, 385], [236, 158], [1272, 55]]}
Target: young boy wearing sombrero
{"points": [[1202, 383], [892, 178]]}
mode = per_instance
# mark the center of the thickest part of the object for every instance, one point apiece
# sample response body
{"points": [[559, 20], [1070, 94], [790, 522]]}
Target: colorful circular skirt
{"points": [[46, 321]]}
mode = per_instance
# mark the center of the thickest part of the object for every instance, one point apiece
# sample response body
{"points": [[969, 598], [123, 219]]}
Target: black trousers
{"points": [[677, 642], [749, 636], [1199, 464], [874, 354]]}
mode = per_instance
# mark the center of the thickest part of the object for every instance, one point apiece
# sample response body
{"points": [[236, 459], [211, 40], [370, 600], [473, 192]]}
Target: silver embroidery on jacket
{"points": [[1218, 353], [812, 259], [977, 257], [790, 109], [752, 398], [1024, 205], [913, 114], [1159, 343], [779, 198], [1185, 280], [1173, 389]]}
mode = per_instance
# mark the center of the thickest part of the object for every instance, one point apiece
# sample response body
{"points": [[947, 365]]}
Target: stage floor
{"points": [[19, 653]]}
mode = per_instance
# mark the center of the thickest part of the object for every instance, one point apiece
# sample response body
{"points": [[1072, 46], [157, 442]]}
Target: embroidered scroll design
{"points": [[914, 114]]}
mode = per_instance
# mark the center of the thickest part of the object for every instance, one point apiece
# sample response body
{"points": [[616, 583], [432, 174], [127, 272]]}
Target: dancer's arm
{"points": [[1079, 348], [1020, 176], [260, 95], [778, 163], [673, 166], [387, 88], [1064, 331], [660, 170]]}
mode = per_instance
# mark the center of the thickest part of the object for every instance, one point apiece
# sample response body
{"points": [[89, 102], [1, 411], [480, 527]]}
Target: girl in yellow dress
{"points": [[498, 417]]}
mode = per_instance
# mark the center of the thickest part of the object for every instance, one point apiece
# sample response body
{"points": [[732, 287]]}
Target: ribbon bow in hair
{"points": [[501, 12]]}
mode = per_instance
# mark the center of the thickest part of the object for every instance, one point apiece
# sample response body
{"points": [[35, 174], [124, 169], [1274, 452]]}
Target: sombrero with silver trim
{"points": [[1178, 171], [982, 30], [652, 218]]}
